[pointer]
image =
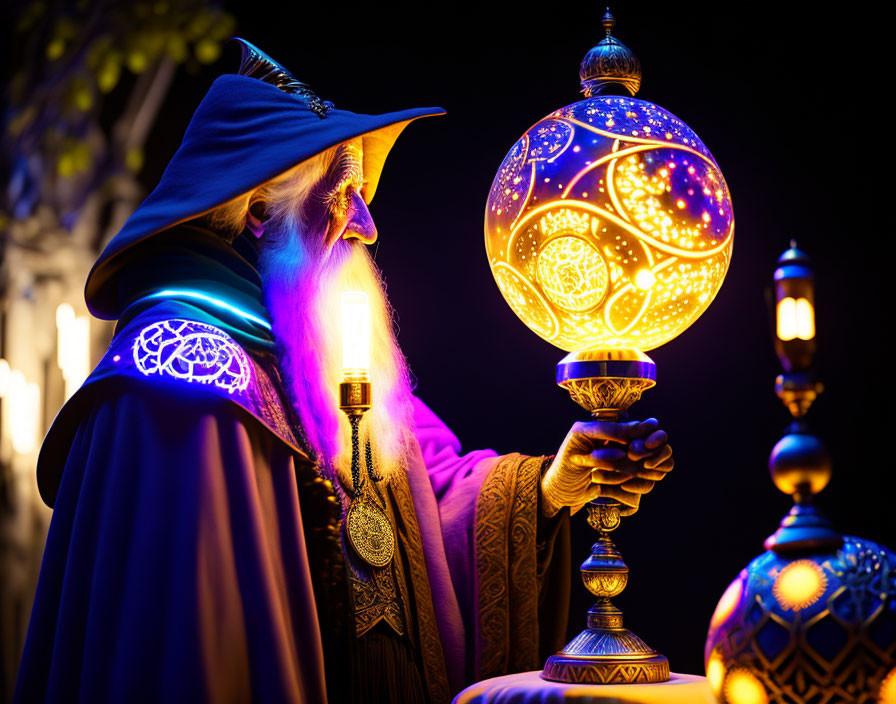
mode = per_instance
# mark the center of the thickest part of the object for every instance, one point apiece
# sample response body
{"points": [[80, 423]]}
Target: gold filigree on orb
{"points": [[526, 301], [572, 273], [799, 585]]}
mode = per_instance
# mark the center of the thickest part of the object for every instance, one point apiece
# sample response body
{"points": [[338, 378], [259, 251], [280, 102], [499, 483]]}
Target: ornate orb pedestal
{"points": [[605, 652], [606, 383], [609, 229]]}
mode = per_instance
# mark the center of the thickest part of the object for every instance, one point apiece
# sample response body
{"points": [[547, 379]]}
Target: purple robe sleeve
{"points": [[509, 566], [175, 568]]}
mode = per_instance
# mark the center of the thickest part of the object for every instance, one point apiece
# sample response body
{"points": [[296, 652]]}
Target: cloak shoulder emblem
{"points": [[194, 352]]}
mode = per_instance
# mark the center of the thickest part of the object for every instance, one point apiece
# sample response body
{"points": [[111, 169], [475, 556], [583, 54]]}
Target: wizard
{"points": [[201, 477]]}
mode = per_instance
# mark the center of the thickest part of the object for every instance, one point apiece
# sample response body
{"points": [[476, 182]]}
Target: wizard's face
{"points": [[312, 252], [336, 207]]}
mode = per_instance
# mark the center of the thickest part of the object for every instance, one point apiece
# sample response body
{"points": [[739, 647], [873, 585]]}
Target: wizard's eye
{"points": [[348, 175], [340, 198]]}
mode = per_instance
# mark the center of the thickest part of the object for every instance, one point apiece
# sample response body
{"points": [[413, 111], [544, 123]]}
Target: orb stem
{"points": [[606, 383]]}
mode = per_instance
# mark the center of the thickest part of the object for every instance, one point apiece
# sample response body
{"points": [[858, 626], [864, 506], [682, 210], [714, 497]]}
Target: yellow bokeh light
{"points": [[609, 226], [796, 318], [743, 687], [715, 673], [799, 585], [728, 603], [887, 693]]}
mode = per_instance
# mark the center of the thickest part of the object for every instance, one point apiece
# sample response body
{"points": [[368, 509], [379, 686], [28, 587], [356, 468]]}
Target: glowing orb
{"points": [[609, 225], [729, 602], [799, 585], [888, 689], [715, 674]]}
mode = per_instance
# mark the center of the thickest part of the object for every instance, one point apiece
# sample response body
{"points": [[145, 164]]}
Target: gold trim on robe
{"points": [[506, 564]]}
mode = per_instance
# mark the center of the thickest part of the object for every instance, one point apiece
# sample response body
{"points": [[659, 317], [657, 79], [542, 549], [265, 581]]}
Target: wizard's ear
{"points": [[257, 216]]}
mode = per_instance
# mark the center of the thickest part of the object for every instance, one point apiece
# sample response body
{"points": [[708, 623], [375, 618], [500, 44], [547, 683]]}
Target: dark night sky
{"points": [[781, 100]]}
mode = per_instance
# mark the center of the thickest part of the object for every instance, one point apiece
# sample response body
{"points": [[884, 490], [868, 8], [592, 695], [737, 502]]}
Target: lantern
{"points": [[608, 229], [813, 619], [366, 524], [794, 310], [355, 336]]}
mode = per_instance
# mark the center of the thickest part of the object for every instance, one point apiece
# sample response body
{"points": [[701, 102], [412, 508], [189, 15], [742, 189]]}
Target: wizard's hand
{"points": [[619, 461]]}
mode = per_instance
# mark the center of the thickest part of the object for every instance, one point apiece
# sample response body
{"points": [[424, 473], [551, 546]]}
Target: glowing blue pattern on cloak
{"points": [[217, 302], [194, 352]]}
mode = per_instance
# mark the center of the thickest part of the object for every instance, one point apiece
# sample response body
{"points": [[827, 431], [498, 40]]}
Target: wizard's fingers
{"points": [[637, 485], [656, 439], [645, 447], [655, 475], [658, 470], [665, 466], [609, 476], [603, 458], [628, 499], [658, 458], [615, 432]]}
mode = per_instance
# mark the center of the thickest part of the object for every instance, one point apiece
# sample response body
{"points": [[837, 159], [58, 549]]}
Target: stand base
{"points": [[607, 656]]}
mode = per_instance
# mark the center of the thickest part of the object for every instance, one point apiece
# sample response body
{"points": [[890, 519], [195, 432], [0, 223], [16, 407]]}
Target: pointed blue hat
{"points": [[249, 128]]}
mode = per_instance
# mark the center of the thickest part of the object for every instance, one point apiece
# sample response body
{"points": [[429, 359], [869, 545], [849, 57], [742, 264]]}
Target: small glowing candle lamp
{"points": [[355, 387], [795, 310], [368, 528], [796, 318], [794, 326]]}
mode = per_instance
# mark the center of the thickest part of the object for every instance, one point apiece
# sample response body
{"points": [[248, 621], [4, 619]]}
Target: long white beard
{"points": [[303, 297]]}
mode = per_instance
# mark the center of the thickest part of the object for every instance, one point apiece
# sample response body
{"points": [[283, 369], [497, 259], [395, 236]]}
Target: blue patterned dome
{"points": [[817, 629]]}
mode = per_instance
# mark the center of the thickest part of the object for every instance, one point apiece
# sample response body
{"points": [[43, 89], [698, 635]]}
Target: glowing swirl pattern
{"points": [[192, 351], [572, 273], [609, 224]]}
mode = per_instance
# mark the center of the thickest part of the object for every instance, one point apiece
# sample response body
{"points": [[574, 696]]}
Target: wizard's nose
{"points": [[360, 224]]}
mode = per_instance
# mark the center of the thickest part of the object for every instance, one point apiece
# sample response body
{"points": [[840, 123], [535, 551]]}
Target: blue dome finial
{"points": [[610, 63], [608, 22]]}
